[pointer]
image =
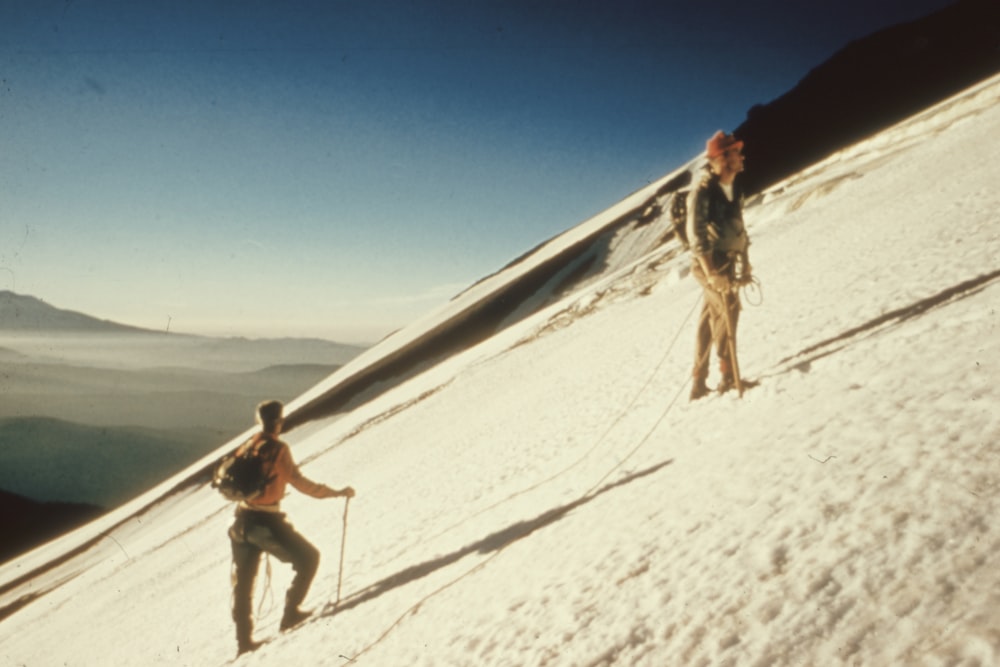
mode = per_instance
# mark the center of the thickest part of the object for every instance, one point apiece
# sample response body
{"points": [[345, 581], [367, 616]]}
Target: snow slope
{"points": [[547, 495]]}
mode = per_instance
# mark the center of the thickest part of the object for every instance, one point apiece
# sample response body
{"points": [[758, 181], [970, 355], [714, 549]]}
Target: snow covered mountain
{"points": [[544, 494]]}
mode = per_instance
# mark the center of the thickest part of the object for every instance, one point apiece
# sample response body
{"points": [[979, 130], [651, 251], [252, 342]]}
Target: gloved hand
{"points": [[346, 492]]}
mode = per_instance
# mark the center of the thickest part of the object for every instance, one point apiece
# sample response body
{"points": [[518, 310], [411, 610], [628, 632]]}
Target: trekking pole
{"points": [[343, 545], [732, 342]]}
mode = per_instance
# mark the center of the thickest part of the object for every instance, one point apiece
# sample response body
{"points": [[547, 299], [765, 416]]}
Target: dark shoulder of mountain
{"points": [[29, 523], [870, 85], [61, 461], [26, 313]]}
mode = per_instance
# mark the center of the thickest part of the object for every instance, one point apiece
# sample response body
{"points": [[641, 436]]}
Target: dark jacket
{"points": [[715, 224]]}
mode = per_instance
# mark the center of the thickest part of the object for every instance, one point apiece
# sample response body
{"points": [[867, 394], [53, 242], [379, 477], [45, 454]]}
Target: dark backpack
{"points": [[678, 217], [243, 475]]}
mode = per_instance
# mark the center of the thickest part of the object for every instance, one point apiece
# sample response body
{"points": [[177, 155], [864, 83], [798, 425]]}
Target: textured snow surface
{"points": [[550, 497]]}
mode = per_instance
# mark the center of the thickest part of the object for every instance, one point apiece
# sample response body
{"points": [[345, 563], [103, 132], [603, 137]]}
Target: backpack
{"points": [[243, 475], [678, 217]]}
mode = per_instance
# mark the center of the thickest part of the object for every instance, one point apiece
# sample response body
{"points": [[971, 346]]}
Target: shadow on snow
{"points": [[493, 542], [896, 317]]}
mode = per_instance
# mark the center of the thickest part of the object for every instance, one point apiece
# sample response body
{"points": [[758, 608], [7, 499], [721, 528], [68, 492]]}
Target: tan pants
{"points": [[712, 329]]}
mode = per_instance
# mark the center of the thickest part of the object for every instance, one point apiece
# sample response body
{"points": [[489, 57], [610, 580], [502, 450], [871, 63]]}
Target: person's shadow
{"points": [[493, 542], [804, 358]]}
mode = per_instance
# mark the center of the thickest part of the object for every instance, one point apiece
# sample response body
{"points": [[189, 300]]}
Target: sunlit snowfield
{"points": [[550, 497]]}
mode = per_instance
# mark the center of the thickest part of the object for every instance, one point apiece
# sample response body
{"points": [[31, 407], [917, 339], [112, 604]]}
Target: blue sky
{"points": [[337, 169]]}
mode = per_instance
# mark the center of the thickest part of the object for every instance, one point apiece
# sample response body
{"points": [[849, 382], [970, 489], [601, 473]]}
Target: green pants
{"points": [[253, 534]]}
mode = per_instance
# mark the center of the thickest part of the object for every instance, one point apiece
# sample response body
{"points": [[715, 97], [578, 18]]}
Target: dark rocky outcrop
{"points": [[869, 85]]}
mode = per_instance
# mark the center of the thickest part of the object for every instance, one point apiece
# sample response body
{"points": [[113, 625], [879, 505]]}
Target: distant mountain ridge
{"points": [[22, 313], [31, 329], [29, 522], [57, 461]]}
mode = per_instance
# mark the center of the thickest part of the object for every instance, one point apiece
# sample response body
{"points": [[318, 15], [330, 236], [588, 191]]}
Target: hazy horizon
{"points": [[338, 169]]}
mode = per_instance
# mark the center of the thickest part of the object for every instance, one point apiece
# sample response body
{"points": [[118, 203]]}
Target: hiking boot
{"points": [[699, 390], [247, 646], [293, 616], [244, 635], [729, 382]]}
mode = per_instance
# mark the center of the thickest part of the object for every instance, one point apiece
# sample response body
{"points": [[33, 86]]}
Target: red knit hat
{"points": [[720, 143]]}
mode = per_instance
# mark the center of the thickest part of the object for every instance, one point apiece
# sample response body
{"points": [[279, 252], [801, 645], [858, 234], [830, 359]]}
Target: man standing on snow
{"points": [[260, 527], [719, 246]]}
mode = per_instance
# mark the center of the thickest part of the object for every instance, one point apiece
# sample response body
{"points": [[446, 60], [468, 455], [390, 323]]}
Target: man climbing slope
{"points": [[261, 526], [721, 264]]}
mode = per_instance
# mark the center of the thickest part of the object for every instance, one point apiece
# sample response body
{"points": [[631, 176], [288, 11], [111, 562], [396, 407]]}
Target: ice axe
{"points": [[732, 341], [343, 545]]}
